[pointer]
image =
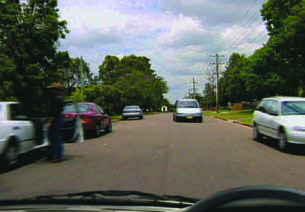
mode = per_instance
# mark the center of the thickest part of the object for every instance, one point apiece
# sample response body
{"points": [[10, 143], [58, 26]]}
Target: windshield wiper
{"points": [[117, 195]]}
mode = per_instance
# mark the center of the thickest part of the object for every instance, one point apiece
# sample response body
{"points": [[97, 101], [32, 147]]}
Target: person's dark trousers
{"points": [[56, 148]]}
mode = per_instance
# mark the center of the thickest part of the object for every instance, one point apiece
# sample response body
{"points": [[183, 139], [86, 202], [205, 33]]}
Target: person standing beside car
{"points": [[54, 124]]}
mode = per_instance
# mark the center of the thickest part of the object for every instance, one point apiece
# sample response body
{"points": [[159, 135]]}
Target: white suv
{"points": [[282, 118], [187, 109], [18, 133]]}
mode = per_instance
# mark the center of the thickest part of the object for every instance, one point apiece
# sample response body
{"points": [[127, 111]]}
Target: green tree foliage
{"points": [[106, 96], [232, 85], [107, 70], [209, 94], [285, 20], [70, 70], [28, 36], [133, 77], [278, 68]]}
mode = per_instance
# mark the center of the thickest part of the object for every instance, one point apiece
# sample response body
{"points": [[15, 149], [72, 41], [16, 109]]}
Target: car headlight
{"points": [[298, 128]]}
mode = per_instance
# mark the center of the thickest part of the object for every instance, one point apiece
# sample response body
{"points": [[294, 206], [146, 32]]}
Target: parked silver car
{"points": [[132, 111], [187, 109]]}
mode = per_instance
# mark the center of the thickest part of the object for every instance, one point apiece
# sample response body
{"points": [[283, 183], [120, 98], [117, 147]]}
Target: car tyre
{"points": [[109, 127], [97, 131], [177, 119], [257, 136], [282, 142], [199, 119], [141, 117], [11, 153]]}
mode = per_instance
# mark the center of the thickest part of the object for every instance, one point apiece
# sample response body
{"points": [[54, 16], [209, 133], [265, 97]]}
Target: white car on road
{"points": [[187, 109], [282, 118], [18, 133]]}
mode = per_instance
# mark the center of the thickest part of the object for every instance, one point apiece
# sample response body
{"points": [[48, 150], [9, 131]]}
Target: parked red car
{"points": [[94, 119]]}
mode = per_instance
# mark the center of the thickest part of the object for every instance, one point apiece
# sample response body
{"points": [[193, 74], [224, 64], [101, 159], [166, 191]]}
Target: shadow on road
{"points": [[131, 119], [91, 136], [293, 149], [188, 121], [25, 159]]}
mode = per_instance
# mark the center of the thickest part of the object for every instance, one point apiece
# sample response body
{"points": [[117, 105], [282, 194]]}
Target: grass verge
{"points": [[244, 116]]}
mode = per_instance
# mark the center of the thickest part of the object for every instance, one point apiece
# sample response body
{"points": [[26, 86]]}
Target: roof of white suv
{"points": [[285, 98], [186, 100]]}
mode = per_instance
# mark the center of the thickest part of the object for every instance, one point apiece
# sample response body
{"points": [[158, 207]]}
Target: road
{"points": [[160, 156]]}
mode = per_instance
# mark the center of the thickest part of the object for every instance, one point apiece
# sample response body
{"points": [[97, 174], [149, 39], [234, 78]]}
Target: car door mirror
{"points": [[261, 109], [273, 113]]}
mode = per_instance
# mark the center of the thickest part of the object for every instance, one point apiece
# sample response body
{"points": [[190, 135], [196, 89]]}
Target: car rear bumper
{"points": [[185, 115], [88, 126], [130, 115]]}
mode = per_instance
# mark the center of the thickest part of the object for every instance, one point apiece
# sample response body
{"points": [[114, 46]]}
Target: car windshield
{"points": [[293, 108], [166, 93], [187, 104]]}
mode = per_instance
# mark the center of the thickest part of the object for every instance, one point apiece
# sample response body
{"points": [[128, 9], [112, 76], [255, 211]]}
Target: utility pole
{"points": [[82, 79], [193, 90], [194, 87], [217, 79]]}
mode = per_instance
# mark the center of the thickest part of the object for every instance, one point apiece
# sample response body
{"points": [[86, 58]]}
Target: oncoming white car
{"points": [[282, 118], [18, 133]]}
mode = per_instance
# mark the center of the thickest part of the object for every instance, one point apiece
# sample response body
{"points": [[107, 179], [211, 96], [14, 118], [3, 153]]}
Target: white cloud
{"points": [[183, 32], [177, 35]]}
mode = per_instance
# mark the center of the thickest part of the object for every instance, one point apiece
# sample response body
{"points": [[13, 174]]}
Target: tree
{"points": [[285, 22], [209, 94], [29, 33], [106, 96], [133, 77], [107, 69], [232, 84]]}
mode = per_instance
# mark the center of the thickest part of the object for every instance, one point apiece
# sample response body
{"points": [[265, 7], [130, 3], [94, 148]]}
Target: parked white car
{"points": [[282, 118], [18, 133]]}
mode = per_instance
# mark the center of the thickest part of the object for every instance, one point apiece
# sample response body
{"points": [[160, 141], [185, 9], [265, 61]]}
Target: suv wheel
{"points": [[11, 153]]}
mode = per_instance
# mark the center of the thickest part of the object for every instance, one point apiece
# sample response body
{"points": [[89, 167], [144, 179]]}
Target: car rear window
{"points": [[187, 104], [70, 109], [83, 107], [132, 108]]}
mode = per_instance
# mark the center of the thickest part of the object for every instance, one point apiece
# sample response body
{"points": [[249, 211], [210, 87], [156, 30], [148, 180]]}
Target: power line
{"points": [[240, 18], [246, 29]]}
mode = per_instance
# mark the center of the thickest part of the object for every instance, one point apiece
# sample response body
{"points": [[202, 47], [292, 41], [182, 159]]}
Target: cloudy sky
{"points": [[179, 36]]}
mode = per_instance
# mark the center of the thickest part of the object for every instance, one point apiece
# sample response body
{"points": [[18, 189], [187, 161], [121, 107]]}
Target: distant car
{"points": [[132, 111], [18, 132], [94, 119], [282, 118], [72, 130], [187, 109]]}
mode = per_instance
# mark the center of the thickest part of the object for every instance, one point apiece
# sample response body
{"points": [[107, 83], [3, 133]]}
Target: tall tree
{"points": [[29, 33], [285, 20], [107, 69], [135, 78]]}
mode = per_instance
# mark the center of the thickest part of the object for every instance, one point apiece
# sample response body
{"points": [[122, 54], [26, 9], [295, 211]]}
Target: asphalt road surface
{"points": [[160, 156]]}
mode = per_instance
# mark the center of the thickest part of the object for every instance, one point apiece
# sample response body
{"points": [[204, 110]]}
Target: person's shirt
{"points": [[57, 106]]}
